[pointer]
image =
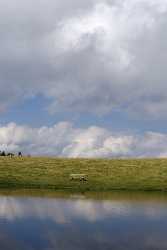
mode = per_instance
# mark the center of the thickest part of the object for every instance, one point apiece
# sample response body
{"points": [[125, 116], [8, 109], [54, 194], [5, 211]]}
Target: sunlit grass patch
{"points": [[102, 175]]}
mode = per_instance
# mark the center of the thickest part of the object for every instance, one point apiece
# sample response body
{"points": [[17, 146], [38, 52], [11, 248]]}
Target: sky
{"points": [[83, 78]]}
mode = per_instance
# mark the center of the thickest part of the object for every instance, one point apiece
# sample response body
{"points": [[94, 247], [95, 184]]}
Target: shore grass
{"points": [[102, 175]]}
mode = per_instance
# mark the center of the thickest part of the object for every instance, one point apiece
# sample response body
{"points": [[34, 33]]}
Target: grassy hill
{"points": [[103, 175]]}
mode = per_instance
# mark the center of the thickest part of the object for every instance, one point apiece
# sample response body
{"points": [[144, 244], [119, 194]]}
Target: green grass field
{"points": [[103, 175]]}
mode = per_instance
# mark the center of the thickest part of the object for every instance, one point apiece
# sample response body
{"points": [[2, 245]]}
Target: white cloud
{"points": [[65, 140], [115, 51], [86, 56]]}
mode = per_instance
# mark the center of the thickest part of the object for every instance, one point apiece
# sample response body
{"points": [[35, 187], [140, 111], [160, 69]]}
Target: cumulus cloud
{"points": [[65, 140], [87, 56]]}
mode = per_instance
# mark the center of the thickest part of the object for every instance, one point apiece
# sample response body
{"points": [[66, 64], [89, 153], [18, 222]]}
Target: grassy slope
{"points": [[103, 175]]}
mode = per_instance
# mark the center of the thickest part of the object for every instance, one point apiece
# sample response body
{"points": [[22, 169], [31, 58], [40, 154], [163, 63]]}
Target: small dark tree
{"points": [[3, 153]]}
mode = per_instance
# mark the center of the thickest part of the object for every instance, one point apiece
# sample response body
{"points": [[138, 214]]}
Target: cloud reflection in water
{"points": [[50, 223]]}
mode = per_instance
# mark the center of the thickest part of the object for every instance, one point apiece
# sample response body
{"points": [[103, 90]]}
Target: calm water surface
{"points": [[76, 222]]}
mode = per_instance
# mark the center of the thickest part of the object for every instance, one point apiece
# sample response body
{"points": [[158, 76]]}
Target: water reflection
{"points": [[59, 223]]}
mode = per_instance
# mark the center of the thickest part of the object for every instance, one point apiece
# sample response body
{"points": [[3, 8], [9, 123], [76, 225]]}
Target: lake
{"points": [[48, 220]]}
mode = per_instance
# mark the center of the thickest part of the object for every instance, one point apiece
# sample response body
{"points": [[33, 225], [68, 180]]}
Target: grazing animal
{"points": [[11, 155], [19, 154], [80, 177]]}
